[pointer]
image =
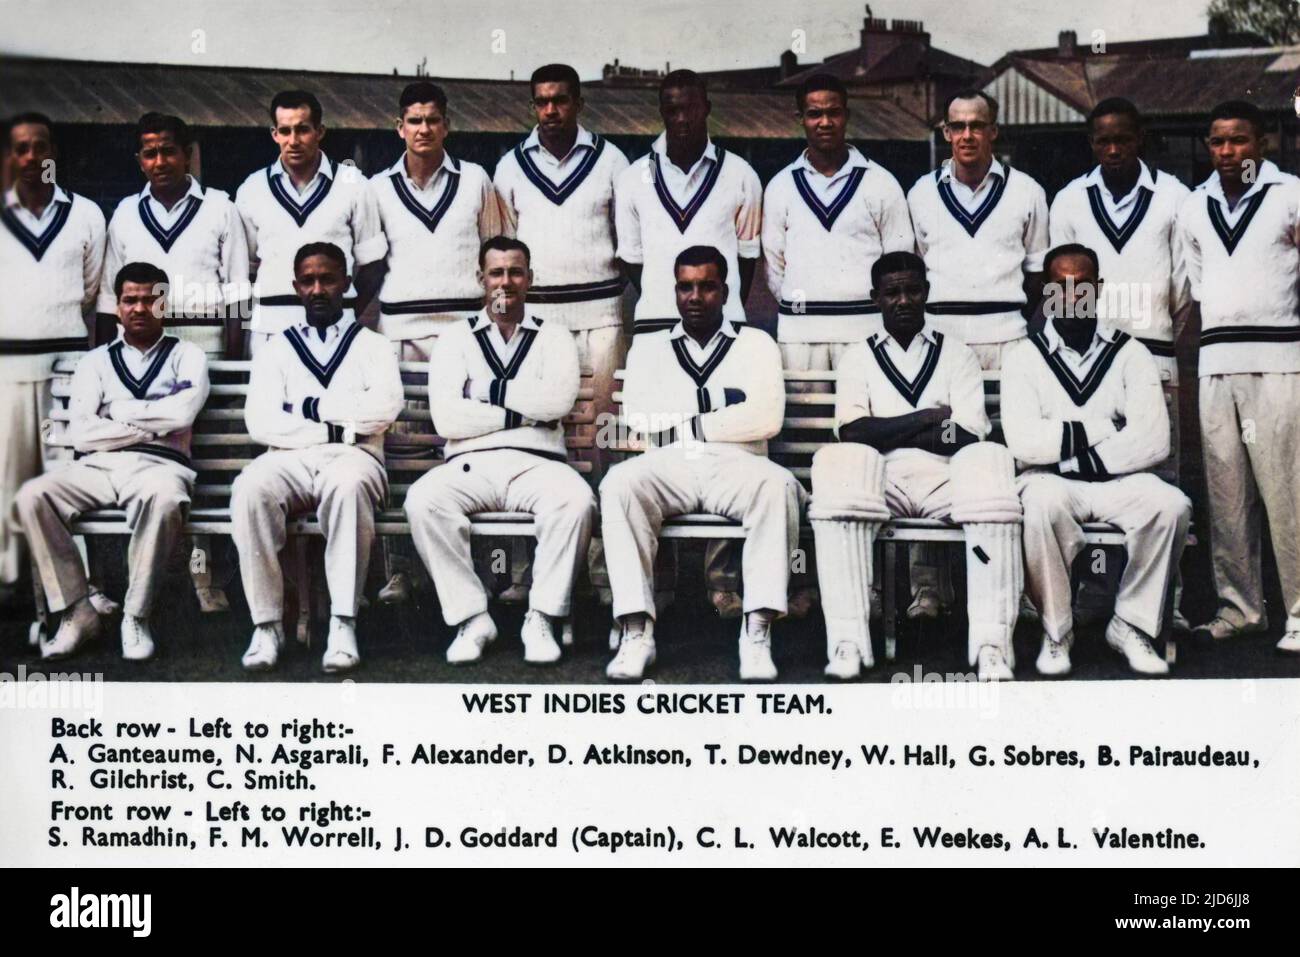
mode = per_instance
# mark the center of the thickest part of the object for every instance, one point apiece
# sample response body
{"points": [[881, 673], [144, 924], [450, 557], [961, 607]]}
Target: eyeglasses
{"points": [[976, 127]]}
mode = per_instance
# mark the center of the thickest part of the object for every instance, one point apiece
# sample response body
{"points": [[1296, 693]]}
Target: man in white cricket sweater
{"points": [[909, 413], [436, 211], [1240, 232], [131, 411], [706, 395], [304, 198], [1084, 413], [827, 217], [51, 258], [195, 234], [320, 397], [982, 229], [500, 385]]}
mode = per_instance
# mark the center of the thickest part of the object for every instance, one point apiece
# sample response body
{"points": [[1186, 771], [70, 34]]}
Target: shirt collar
{"points": [[727, 329], [11, 197], [121, 337], [1094, 178], [449, 164], [855, 160], [483, 320], [195, 190], [927, 333], [326, 168], [995, 169], [660, 146], [534, 141], [1268, 173], [1055, 342], [308, 331]]}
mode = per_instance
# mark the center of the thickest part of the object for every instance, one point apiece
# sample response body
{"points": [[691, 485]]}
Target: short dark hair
{"points": [[1115, 106], [1071, 249], [422, 91], [1239, 110], [815, 84], [556, 73], [901, 261], [22, 119], [702, 256], [146, 274], [503, 244], [970, 93], [165, 123], [292, 99], [328, 250], [684, 80]]}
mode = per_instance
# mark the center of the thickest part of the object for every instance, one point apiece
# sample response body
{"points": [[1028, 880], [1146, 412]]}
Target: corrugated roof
{"points": [[75, 92]]}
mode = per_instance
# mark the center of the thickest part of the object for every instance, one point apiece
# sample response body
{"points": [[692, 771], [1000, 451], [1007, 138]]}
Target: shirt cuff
{"points": [[748, 248], [372, 250]]}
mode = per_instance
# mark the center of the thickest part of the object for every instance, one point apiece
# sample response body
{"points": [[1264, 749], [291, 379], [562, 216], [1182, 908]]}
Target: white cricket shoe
{"points": [[137, 639], [845, 662], [538, 636], [341, 652], [993, 665], [1135, 647], [1054, 658], [756, 649], [1220, 629], [472, 637], [1290, 642], [925, 603], [264, 650], [636, 653], [79, 624]]}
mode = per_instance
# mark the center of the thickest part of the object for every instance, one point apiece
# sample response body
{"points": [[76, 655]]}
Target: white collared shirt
{"points": [[323, 342], [167, 217], [683, 183], [827, 187], [30, 219], [1120, 209], [325, 171], [971, 198], [556, 168], [428, 194], [1079, 362], [701, 353]]}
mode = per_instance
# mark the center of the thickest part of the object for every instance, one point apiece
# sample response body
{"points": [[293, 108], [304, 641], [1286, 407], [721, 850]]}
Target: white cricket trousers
{"points": [[342, 484], [637, 495], [153, 491], [23, 405], [440, 504], [1152, 514]]}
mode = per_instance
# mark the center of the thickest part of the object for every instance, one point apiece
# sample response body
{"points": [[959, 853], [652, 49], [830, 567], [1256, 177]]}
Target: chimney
{"points": [[1065, 43], [1218, 31], [789, 64]]}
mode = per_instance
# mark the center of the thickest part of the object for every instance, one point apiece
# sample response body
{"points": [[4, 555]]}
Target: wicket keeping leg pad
{"points": [[848, 483], [995, 579], [983, 485], [844, 578]]}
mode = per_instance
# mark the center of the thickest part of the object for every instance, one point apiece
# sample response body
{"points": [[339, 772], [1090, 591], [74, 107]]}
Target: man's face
{"points": [[30, 148], [701, 294], [556, 108], [685, 113], [505, 277], [1116, 142], [297, 136], [825, 118], [1233, 145], [164, 164], [140, 310], [321, 283], [970, 129], [1079, 286], [423, 128], [901, 297]]}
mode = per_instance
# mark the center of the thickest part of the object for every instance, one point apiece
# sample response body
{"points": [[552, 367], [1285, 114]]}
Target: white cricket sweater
{"points": [[50, 272], [977, 259], [821, 236], [564, 211], [1241, 267], [433, 241]]}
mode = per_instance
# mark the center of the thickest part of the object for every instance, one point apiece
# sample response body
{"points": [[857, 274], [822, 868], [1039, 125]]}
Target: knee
{"points": [[167, 502], [1043, 502], [616, 487], [246, 490], [30, 498], [349, 487], [1172, 507]]}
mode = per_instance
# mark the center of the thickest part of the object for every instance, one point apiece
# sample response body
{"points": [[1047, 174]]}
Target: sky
{"points": [[490, 38]]}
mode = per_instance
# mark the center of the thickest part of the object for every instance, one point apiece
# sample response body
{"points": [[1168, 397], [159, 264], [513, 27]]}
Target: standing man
{"points": [[51, 258], [320, 397], [299, 199], [499, 385], [194, 234], [909, 413], [1240, 232], [706, 395], [982, 230], [131, 412], [827, 218], [1084, 413]]}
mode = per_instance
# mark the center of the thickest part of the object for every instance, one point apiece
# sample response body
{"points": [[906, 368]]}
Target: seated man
{"points": [[320, 396], [131, 411], [499, 386], [909, 412], [707, 395], [1084, 413]]}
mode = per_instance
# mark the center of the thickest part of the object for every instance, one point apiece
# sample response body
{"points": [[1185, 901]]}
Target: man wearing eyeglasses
{"points": [[982, 229]]}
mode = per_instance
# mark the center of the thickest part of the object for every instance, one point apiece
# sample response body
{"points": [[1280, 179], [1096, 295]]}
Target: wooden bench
{"points": [[809, 424], [222, 448]]}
